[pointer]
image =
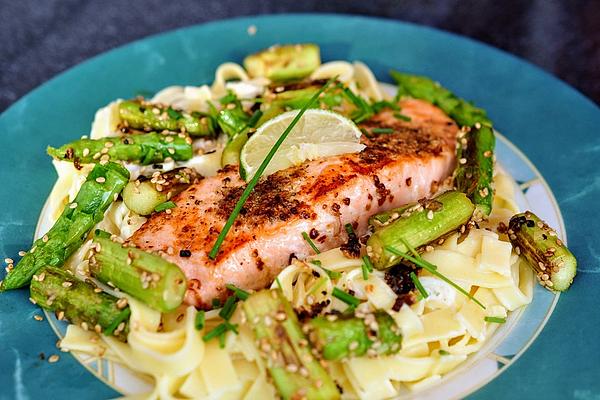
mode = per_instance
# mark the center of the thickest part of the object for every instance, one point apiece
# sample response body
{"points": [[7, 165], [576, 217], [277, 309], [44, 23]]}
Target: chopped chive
{"points": [[416, 254], [310, 242], [418, 285], [279, 283], [496, 320], [332, 274], [164, 206], [216, 303], [228, 308], [365, 271], [428, 267], [367, 260], [174, 113], [349, 229], [443, 352], [217, 331], [250, 186], [254, 118], [402, 117], [222, 341], [366, 267], [239, 293], [122, 316], [231, 327], [382, 130], [345, 297], [200, 320], [410, 248]]}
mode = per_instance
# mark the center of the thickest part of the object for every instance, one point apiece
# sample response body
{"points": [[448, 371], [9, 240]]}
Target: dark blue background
{"points": [[39, 38]]}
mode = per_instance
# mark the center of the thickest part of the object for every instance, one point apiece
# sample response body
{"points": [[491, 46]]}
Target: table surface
{"points": [[42, 38]]}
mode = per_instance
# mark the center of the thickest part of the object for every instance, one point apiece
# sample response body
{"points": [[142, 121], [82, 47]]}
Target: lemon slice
{"points": [[318, 133]]}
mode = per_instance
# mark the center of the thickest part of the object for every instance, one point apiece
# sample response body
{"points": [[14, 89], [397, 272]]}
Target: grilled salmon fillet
{"points": [[318, 197]]}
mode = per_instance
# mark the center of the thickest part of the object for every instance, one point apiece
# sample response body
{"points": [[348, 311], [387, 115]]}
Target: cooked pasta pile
{"points": [[439, 332]]}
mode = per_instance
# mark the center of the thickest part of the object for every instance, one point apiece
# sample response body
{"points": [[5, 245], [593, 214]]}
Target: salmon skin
{"points": [[318, 197]]}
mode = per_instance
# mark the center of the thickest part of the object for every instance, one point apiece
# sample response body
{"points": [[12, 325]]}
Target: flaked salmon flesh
{"points": [[318, 197]]}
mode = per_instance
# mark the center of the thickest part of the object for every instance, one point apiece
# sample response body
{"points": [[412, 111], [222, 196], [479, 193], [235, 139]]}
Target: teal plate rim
{"points": [[526, 103]]}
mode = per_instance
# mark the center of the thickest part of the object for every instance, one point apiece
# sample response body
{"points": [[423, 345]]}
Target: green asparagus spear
{"points": [[551, 260], [148, 116], [149, 148], [101, 187], [475, 171], [420, 224], [290, 362], [80, 302], [143, 196], [284, 63], [351, 337], [421, 87], [145, 276]]}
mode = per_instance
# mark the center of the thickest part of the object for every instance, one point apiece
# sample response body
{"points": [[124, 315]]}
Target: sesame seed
{"points": [[67, 284], [96, 156], [84, 326], [73, 205], [32, 300], [8, 261], [251, 30], [38, 317], [430, 215], [292, 368], [61, 315], [22, 253], [169, 139], [171, 150], [98, 328], [487, 154], [109, 144], [353, 346], [100, 179], [86, 152], [97, 290], [53, 358], [463, 161]]}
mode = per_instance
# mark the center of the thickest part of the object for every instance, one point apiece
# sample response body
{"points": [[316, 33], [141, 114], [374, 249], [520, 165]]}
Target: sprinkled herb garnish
{"points": [[216, 303], [382, 130], [174, 113], [349, 229], [310, 242], [402, 117], [367, 266], [428, 267], [239, 293], [123, 315], [200, 320], [332, 274], [228, 308], [250, 186], [418, 285], [495, 320], [345, 297], [164, 206], [443, 352]]}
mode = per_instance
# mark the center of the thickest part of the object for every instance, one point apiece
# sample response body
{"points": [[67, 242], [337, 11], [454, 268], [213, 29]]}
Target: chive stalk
{"points": [[253, 182]]}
